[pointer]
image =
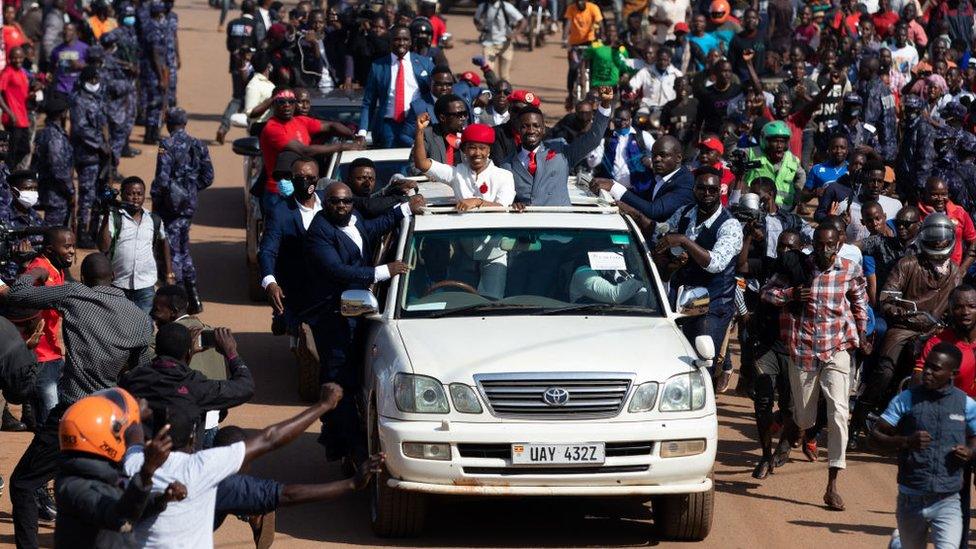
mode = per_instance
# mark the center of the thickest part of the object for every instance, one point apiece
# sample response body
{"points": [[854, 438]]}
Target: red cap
{"points": [[478, 133], [524, 96], [681, 26], [471, 77], [714, 144], [277, 31]]}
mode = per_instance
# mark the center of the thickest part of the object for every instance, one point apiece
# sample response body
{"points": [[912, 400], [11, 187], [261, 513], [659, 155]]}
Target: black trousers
{"points": [[19, 146], [36, 468], [338, 341]]}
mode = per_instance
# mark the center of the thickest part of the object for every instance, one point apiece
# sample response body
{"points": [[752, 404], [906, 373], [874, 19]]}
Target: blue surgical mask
{"points": [[285, 187], [624, 132], [129, 20]]}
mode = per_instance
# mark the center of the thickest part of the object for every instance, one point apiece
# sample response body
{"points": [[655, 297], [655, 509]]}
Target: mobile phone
{"points": [[208, 339]]}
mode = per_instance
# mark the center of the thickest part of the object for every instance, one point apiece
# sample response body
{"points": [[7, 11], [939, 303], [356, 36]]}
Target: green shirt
{"points": [[606, 64]]}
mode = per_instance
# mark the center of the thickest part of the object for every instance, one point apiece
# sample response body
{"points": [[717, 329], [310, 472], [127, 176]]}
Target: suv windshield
{"points": [[526, 271]]}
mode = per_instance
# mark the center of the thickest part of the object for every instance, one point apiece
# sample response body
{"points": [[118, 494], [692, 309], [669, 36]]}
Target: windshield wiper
{"points": [[479, 307], [593, 307]]}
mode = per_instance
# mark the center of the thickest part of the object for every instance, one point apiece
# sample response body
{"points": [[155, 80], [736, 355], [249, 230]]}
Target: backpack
{"points": [[117, 229]]}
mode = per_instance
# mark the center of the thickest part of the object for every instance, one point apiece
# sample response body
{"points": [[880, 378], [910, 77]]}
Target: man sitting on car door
{"points": [[705, 239]]}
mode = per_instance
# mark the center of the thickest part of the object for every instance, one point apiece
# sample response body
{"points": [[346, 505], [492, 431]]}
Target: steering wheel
{"points": [[451, 284]]}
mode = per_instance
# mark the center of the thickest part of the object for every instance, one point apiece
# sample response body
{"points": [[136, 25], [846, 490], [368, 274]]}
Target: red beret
{"points": [[471, 77], [681, 26], [478, 133], [524, 96], [277, 31], [714, 144]]}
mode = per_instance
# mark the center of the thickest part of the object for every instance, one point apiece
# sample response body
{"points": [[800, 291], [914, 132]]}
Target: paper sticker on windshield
{"points": [[620, 239], [607, 261], [427, 306]]}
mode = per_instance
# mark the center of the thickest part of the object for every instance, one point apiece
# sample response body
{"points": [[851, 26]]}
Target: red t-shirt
{"points": [[884, 23], [49, 346], [12, 38], [276, 134], [440, 27], [14, 87], [965, 230], [966, 378]]}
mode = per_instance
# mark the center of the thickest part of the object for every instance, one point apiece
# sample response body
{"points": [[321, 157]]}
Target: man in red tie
{"points": [[443, 139], [393, 83]]}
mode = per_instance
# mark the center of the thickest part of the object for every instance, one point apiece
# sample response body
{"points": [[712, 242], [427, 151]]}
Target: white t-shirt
{"points": [[498, 183], [187, 523]]}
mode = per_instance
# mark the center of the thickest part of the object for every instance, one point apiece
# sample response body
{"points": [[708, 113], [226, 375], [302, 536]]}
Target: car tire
{"points": [[393, 513], [684, 517], [308, 366]]}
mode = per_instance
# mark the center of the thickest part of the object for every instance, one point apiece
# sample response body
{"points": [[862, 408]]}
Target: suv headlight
{"points": [[683, 393], [644, 398], [420, 394], [464, 398]]}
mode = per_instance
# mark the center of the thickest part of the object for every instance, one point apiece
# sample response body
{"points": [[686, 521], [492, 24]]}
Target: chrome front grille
{"points": [[555, 395]]}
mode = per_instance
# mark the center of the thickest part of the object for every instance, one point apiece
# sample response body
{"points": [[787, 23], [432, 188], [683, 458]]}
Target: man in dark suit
{"points": [[442, 140], [362, 181], [673, 183], [393, 83], [506, 132], [541, 169], [281, 256], [339, 249], [441, 84]]}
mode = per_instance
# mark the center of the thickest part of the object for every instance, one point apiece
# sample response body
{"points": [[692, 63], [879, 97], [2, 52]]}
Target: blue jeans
{"points": [[920, 517], [46, 385], [143, 298]]}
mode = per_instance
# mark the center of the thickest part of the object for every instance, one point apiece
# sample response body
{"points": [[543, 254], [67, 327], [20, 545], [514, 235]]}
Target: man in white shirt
{"points": [[656, 80], [498, 21], [189, 523], [258, 93], [133, 238], [476, 181], [623, 163]]}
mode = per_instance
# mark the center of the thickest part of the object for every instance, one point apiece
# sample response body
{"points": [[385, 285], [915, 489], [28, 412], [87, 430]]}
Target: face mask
{"points": [[92, 88], [305, 188], [129, 20], [623, 132], [28, 199], [285, 187]]}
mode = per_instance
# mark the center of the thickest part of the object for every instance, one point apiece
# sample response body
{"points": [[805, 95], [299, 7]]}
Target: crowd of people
{"points": [[812, 165]]}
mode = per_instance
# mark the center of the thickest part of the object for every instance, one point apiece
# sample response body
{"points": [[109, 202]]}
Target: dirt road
{"points": [[783, 511]]}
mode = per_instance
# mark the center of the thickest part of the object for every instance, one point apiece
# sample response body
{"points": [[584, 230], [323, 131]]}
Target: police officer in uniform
{"points": [[92, 151], [852, 125], [172, 48], [946, 166], [128, 51], [183, 168], [118, 75], [22, 215], [879, 107], [153, 69], [52, 160], [916, 151]]}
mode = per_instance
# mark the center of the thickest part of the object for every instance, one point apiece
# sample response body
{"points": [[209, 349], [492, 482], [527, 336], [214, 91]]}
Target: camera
{"points": [[107, 199], [208, 339], [9, 238], [749, 209], [739, 162]]}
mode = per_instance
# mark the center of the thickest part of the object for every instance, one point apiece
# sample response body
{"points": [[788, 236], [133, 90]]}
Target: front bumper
{"points": [[628, 470]]}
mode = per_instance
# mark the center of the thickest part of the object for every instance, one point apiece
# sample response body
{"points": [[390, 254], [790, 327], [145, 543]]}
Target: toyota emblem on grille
{"points": [[555, 396]]}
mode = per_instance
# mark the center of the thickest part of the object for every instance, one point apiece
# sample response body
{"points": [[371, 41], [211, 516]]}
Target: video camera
{"points": [[10, 238], [107, 199], [749, 209], [739, 162]]}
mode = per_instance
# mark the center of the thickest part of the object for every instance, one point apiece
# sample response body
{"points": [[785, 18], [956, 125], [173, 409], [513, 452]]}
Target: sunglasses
{"points": [[285, 101], [455, 114], [904, 223], [304, 179], [336, 201]]}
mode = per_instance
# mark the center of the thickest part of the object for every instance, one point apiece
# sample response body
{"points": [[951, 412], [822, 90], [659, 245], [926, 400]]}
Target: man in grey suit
{"points": [[541, 169], [443, 139]]}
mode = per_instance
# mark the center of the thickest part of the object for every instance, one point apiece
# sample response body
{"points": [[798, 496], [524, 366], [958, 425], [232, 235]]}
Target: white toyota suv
{"points": [[533, 354]]}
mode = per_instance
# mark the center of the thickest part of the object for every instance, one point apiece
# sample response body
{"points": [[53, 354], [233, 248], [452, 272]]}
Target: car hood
{"points": [[453, 350]]}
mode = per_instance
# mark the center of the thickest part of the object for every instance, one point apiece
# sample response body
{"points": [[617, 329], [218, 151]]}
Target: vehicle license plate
{"points": [[590, 453]]}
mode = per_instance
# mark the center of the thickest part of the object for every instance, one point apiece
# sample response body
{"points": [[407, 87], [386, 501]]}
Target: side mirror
{"points": [[247, 146], [692, 301], [705, 348], [358, 303]]}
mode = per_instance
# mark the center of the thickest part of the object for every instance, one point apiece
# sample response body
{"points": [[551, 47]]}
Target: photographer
{"points": [[133, 238], [775, 162], [22, 215]]}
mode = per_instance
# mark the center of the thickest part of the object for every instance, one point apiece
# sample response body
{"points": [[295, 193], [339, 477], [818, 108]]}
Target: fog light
{"points": [[682, 448], [427, 450]]}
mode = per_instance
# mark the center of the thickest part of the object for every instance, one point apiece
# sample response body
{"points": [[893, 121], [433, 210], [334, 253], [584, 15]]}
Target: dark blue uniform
{"points": [[879, 111], [153, 49], [120, 93], [88, 120], [18, 218], [53, 161], [6, 197], [916, 155], [183, 168], [172, 25]]}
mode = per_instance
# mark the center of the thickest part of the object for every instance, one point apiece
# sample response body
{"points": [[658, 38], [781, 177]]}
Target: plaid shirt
{"points": [[830, 321]]}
